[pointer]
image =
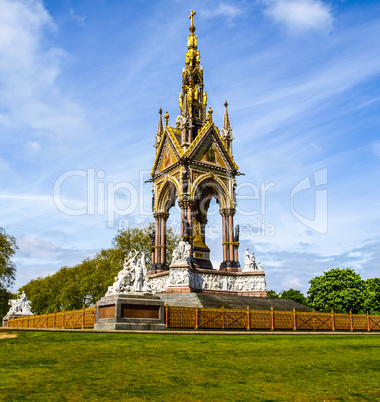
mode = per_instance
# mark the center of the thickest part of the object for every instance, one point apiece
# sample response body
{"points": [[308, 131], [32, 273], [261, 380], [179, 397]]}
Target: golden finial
{"points": [[209, 114], [191, 18], [225, 104], [166, 116]]}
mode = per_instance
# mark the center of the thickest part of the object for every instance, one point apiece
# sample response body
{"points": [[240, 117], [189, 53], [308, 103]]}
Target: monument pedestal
{"points": [[130, 312]]}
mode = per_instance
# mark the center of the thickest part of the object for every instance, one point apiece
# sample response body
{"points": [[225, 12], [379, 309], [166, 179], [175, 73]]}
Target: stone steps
{"points": [[207, 300]]}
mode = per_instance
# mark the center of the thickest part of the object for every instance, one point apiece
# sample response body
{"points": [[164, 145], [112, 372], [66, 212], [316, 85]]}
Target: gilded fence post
{"points": [[167, 315], [223, 318], [47, 317], [83, 315], [34, 320], [22, 322], [272, 318], [196, 316], [55, 318], [96, 309], [332, 320], [294, 320], [368, 322], [351, 322], [314, 320], [248, 322], [63, 318], [27, 322]]}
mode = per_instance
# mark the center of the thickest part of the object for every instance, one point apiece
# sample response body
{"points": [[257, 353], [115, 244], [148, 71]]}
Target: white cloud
{"points": [[34, 248], [34, 145], [291, 281], [225, 10], [77, 18], [300, 15], [29, 67]]}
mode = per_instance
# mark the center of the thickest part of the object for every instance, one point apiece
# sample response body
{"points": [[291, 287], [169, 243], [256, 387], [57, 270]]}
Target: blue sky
{"points": [[81, 83]]}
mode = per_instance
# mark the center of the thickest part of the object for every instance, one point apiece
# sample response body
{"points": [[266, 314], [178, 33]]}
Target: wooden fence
{"points": [[74, 319], [212, 318]]}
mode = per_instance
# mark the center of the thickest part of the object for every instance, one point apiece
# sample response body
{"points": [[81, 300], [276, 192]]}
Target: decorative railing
{"points": [[213, 318], [75, 319], [225, 319]]}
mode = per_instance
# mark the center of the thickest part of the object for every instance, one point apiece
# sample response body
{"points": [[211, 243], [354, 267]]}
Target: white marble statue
{"points": [[132, 278], [253, 262], [250, 261], [20, 306], [260, 266], [247, 260], [181, 253]]}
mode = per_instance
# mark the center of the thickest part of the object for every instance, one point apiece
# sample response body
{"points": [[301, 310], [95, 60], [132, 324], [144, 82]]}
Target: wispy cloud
{"points": [[29, 68], [228, 11], [300, 15], [77, 18]]}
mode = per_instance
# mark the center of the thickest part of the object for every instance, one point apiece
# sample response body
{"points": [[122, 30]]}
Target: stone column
{"points": [[163, 218], [224, 234], [231, 236], [157, 240], [183, 213], [236, 253]]}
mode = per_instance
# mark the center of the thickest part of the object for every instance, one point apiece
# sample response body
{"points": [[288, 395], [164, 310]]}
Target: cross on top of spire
{"points": [[191, 18]]}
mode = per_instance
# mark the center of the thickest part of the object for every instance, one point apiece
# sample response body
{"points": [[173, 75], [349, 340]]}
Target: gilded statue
{"points": [[197, 234], [205, 98], [196, 92]]}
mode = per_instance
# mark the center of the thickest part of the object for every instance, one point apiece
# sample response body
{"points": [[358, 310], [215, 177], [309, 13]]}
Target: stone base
{"points": [[156, 268], [130, 312], [182, 278], [230, 266], [201, 258], [5, 321]]}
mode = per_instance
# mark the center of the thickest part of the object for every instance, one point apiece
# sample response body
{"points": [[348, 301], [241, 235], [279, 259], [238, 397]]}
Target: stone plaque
{"points": [[139, 311], [107, 311]]}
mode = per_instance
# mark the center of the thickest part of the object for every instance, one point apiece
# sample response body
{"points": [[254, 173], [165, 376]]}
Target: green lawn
{"points": [[58, 366]]}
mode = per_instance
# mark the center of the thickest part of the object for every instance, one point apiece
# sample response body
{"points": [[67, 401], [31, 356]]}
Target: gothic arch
{"points": [[216, 188], [167, 195]]}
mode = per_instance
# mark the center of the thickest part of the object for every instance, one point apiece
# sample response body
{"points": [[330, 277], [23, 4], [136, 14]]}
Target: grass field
{"points": [[59, 366]]}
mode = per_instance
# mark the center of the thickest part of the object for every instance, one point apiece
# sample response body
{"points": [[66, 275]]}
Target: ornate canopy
{"points": [[193, 164]]}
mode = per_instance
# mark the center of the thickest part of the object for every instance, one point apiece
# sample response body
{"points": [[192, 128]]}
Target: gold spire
{"points": [[226, 121], [160, 130], [227, 129]]}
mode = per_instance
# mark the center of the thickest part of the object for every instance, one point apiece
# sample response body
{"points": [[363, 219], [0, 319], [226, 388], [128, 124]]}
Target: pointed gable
{"points": [[208, 147], [169, 151]]}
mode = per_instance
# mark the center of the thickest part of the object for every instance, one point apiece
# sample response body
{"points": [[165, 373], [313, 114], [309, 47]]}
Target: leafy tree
{"points": [[8, 248], [272, 294], [139, 239], [372, 302], [339, 289], [295, 295], [87, 282]]}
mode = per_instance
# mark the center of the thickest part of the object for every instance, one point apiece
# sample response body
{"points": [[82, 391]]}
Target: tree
{"points": [[341, 290], [295, 295], [139, 239], [272, 294], [8, 248], [372, 302], [87, 282]]}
